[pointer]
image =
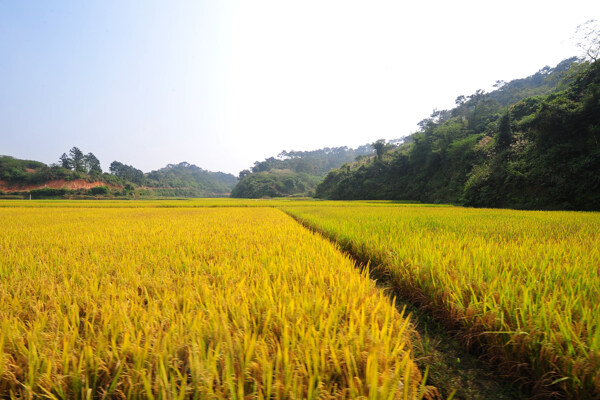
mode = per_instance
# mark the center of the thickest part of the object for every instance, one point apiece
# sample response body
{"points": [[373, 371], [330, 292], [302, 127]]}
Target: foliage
{"points": [[190, 303], [275, 183], [15, 171], [92, 164], [10, 165], [504, 135], [49, 192], [78, 162], [127, 172], [545, 81], [76, 159], [522, 285], [587, 38], [175, 180], [294, 173], [315, 162], [546, 152], [381, 147], [99, 190], [65, 161], [188, 180]]}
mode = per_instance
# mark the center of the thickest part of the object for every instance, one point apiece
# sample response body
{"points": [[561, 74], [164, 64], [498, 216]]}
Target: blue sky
{"points": [[222, 84]]}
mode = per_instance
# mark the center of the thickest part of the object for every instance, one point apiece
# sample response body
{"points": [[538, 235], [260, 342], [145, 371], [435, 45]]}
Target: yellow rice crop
{"points": [[178, 303], [524, 284], [192, 203]]}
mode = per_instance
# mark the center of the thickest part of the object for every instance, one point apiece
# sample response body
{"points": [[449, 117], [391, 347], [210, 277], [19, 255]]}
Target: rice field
{"points": [[239, 303], [523, 285], [224, 298], [208, 202]]}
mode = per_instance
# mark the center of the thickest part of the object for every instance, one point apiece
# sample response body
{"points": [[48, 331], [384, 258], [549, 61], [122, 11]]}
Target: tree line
{"points": [[174, 180], [77, 161]]}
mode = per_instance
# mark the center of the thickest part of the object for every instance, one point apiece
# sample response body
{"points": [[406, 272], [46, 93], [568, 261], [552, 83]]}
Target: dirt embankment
{"points": [[56, 184]]}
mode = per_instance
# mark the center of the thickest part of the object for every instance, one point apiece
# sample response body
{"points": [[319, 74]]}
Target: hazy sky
{"points": [[222, 84]]}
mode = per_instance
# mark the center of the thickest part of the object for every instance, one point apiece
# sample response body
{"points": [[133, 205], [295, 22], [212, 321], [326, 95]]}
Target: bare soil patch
{"points": [[55, 184]]}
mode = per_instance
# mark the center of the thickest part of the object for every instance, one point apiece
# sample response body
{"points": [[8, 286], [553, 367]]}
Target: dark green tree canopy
{"points": [[77, 159], [65, 161], [92, 164], [294, 173], [381, 147], [79, 162], [127, 172], [504, 135]]}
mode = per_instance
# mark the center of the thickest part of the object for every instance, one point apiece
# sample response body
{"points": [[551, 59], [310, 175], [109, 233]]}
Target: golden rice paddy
{"points": [[240, 303], [221, 298], [524, 285]]}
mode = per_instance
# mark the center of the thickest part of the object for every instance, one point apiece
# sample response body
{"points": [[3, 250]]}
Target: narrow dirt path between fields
{"points": [[454, 371]]}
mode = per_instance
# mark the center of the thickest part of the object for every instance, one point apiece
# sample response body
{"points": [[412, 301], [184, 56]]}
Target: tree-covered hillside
{"points": [[175, 180], [500, 149], [77, 165], [188, 180], [294, 173], [15, 170]]}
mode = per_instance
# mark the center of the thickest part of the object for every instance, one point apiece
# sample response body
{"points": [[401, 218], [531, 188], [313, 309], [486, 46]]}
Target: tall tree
{"points": [[504, 135], [380, 148], [77, 159], [92, 164], [65, 161], [244, 173], [587, 38]]}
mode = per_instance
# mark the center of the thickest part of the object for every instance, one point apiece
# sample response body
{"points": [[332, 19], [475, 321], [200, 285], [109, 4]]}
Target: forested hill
{"points": [[294, 173], [532, 143], [188, 180], [79, 174]]}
